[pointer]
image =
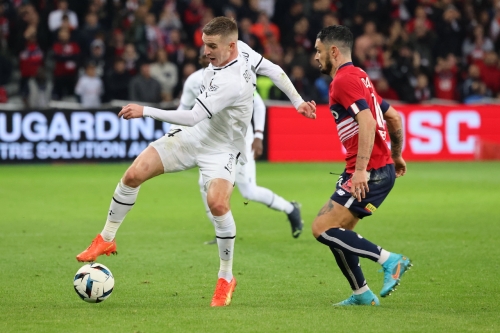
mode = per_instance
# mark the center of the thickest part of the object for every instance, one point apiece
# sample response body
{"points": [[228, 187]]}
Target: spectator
{"points": [[247, 36], [475, 46], [193, 15], [116, 45], [56, 16], [169, 19], [98, 55], [490, 71], [30, 60], [301, 83], [117, 81], [165, 73], [364, 42], [265, 29], [495, 23], [154, 36], [450, 31], [473, 89], [131, 58], [143, 88], [207, 17], [397, 36], [373, 63], [385, 91], [423, 41], [400, 72], [422, 90], [40, 90], [66, 55], [89, 31], [420, 15], [445, 78], [90, 87]]}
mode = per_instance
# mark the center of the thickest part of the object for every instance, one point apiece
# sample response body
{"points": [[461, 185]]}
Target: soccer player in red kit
{"points": [[371, 168]]}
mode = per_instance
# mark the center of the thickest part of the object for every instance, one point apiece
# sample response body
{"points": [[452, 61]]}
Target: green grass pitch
{"points": [[445, 216]]}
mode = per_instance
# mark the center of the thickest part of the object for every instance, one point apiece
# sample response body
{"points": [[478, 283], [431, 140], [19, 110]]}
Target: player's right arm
{"points": [[395, 128]]}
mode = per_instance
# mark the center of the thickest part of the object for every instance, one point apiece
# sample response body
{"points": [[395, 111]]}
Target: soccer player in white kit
{"points": [[212, 137], [245, 174]]}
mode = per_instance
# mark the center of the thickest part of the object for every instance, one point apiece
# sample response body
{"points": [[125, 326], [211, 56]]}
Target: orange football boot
{"points": [[98, 247], [223, 292]]}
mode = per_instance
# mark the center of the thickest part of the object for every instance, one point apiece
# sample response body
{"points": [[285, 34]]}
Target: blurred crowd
{"points": [[143, 50]]}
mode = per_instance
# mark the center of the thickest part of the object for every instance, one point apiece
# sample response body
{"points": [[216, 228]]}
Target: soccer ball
{"points": [[94, 282]]}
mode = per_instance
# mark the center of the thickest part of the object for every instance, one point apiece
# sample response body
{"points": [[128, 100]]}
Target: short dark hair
{"points": [[339, 35], [222, 26]]}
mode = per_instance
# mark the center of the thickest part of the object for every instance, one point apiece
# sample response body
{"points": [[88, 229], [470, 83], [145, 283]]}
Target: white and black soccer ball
{"points": [[94, 282]]}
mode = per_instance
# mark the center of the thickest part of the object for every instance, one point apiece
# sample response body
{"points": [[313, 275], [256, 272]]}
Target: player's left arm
{"points": [[282, 81], [259, 121], [366, 137], [395, 128]]}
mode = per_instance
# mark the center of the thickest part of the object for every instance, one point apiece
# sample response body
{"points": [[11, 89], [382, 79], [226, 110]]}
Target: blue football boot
{"points": [[394, 268], [366, 298]]}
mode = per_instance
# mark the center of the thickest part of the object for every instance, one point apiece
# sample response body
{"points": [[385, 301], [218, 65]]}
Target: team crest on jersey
{"points": [[247, 75], [212, 87]]}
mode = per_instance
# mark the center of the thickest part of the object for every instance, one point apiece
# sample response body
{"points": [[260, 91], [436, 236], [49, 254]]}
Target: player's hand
{"points": [[257, 148], [131, 111], [400, 166], [359, 184], [308, 109]]}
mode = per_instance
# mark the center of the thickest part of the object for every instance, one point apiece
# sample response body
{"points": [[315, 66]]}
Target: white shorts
{"points": [[180, 151], [246, 174]]}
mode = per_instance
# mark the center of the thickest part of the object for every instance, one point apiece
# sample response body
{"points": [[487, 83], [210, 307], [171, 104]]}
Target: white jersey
{"points": [[227, 98]]}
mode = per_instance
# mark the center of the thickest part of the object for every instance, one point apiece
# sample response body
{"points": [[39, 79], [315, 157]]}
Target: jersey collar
{"points": [[230, 64], [345, 65]]}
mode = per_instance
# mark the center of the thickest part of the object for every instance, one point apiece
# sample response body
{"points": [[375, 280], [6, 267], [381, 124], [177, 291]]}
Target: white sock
{"points": [[265, 196], [361, 290], [109, 231], [384, 255], [123, 200], [225, 230]]}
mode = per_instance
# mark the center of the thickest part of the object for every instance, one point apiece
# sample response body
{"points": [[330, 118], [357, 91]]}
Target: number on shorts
{"points": [[171, 133]]}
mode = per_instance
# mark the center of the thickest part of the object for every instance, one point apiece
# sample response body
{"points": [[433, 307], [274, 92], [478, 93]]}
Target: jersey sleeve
{"points": [[254, 58], [349, 93], [220, 92]]}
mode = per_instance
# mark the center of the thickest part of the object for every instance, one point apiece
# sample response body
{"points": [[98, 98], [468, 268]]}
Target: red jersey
{"points": [[351, 92]]}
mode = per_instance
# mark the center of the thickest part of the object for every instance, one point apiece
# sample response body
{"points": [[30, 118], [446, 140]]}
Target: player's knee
{"points": [[132, 177], [219, 208], [317, 229]]}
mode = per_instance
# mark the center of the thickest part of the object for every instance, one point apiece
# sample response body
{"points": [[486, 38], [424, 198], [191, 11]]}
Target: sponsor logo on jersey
{"points": [[340, 192], [371, 208]]}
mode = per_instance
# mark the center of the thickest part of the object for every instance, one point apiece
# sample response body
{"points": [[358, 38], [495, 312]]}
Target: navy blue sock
{"points": [[350, 243], [349, 265]]}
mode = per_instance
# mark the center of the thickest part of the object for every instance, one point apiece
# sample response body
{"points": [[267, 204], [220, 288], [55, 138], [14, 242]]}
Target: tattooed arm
{"points": [[395, 128]]}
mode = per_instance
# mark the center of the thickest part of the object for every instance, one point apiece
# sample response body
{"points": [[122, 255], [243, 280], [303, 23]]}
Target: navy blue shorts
{"points": [[380, 184]]}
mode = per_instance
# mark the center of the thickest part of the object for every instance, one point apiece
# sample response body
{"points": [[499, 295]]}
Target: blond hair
{"points": [[223, 26]]}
